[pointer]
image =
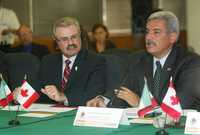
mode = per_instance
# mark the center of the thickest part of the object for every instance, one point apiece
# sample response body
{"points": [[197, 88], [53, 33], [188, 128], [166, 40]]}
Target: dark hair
{"points": [[99, 25]]}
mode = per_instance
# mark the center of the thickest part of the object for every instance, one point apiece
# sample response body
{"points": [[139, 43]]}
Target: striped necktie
{"points": [[66, 74]]}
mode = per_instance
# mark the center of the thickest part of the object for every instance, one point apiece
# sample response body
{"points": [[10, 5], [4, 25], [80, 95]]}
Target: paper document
{"points": [[40, 108], [142, 120], [98, 117], [131, 112], [37, 114]]}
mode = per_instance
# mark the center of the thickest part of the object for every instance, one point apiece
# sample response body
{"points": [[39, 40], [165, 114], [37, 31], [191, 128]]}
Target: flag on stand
{"points": [[171, 103], [27, 95], [5, 94], [147, 101]]}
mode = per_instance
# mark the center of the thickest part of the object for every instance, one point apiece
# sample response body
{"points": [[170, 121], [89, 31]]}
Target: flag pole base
{"points": [[162, 132], [14, 123]]}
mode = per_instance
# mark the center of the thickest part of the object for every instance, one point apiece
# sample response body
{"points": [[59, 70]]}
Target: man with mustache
{"points": [[75, 75], [163, 53]]}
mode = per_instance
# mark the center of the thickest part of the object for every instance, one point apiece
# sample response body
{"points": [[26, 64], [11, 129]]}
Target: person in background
{"points": [[163, 59], [101, 41], [27, 45], [75, 75], [9, 25]]}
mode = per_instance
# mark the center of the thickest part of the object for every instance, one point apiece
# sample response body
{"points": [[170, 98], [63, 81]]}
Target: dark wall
{"points": [[140, 11]]}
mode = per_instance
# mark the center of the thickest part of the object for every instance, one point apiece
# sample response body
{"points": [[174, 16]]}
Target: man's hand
{"points": [[52, 92], [126, 94], [96, 102]]}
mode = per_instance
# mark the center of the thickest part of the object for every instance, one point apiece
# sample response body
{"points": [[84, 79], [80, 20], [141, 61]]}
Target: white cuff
{"points": [[105, 99], [66, 103]]}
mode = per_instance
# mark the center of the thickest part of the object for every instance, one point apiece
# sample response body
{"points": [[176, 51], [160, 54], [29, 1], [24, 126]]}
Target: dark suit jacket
{"points": [[86, 79], [183, 66], [37, 50]]}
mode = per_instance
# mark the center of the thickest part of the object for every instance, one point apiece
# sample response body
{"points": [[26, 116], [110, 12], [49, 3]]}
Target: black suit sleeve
{"points": [[187, 83], [90, 84]]}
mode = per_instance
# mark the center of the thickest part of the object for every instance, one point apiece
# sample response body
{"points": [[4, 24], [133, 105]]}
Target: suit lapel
{"points": [[148, 70], [59, 69], [167, 72]]}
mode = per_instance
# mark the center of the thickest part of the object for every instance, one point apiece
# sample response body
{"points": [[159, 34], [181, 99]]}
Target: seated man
{"points": [[163, 58], [75, 75], [27, 45]]}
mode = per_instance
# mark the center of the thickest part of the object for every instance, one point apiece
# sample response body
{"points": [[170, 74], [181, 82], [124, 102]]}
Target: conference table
{"points": [[62, 124]]}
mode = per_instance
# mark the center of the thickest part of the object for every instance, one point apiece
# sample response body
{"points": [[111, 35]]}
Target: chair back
{"points": [[19, 65]]}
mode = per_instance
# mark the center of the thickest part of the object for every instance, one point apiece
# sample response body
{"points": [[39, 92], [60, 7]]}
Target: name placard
{"points": [[98, 117], [192, 125]]}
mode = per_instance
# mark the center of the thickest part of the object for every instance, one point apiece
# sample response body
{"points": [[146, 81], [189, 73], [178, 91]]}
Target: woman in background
{"points": [[101, 41]]}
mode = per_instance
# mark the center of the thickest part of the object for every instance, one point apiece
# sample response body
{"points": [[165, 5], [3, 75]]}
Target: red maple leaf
{"points": [[174, 100], [24, 93]]}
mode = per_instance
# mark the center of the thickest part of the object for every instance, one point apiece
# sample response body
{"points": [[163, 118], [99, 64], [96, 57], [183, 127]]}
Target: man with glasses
{"points": [[75, 75]]}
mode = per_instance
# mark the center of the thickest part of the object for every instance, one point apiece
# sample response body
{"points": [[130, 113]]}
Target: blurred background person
{"points": [[27, 45], [9, 24], [101, 41]]}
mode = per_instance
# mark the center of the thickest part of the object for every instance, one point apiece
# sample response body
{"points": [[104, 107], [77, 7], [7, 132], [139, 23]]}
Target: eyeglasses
{"points": [[67, 39]]}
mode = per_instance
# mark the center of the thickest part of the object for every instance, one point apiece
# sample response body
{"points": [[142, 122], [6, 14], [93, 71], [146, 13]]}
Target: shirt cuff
{"points": [[66, 103], [105, 99]]}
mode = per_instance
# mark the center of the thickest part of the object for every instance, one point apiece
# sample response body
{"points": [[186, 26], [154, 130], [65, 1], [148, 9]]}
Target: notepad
{"points": [[37, 114]]}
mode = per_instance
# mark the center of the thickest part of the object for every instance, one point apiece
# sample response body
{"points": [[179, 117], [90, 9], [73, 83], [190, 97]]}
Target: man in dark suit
{"points": [[27, 45], [162, 51], [72, 83]]}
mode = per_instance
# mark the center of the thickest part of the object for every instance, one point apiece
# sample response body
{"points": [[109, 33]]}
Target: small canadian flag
{"points": [[27, 95], [171, 103]]}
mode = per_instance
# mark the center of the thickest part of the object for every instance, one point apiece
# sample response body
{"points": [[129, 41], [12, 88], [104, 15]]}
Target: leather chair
{"points": [[19, 65]]}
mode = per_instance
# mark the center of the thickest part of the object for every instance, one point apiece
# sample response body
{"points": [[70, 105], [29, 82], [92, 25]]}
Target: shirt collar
{"points": [[162, 60], [72, 59]]}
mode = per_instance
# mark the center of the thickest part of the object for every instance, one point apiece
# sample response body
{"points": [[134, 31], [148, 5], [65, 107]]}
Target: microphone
{"points": [[160, 122], [12, 122], [115, 92], [15, 121]]}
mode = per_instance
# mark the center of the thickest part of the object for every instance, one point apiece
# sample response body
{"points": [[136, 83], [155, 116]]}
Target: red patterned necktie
{"points": [[65, 75]]}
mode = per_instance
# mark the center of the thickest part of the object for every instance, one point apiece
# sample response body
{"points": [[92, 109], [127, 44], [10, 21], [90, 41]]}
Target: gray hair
{"points": [[65, 22], [172, 22]]}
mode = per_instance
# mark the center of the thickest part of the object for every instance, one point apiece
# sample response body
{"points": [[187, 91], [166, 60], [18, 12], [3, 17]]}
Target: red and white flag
{"points": [[171, 103], [5, 94], [147, 101], [27, 95]]}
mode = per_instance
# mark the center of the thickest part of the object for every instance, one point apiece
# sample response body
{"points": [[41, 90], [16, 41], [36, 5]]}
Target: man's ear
{"points": [[173, 37]]}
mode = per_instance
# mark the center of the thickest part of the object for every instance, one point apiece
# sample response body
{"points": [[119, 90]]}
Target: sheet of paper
{"points": [[192, 125], [98, 117], [142, 120], [37, 114], [40, 108], [131, 112]]}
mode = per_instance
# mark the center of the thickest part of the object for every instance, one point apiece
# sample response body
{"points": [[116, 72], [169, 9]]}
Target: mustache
{"points": [[150, 42], [72, 46]]}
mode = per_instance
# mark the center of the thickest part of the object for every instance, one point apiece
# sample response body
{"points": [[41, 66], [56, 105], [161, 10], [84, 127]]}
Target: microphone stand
{"points": [[15, 121], [110, 104], [125, 77], [162, 131]]}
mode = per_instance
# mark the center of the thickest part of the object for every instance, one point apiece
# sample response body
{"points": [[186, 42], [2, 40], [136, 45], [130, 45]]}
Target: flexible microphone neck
{"points": [[15, 121], [114, 96]]}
